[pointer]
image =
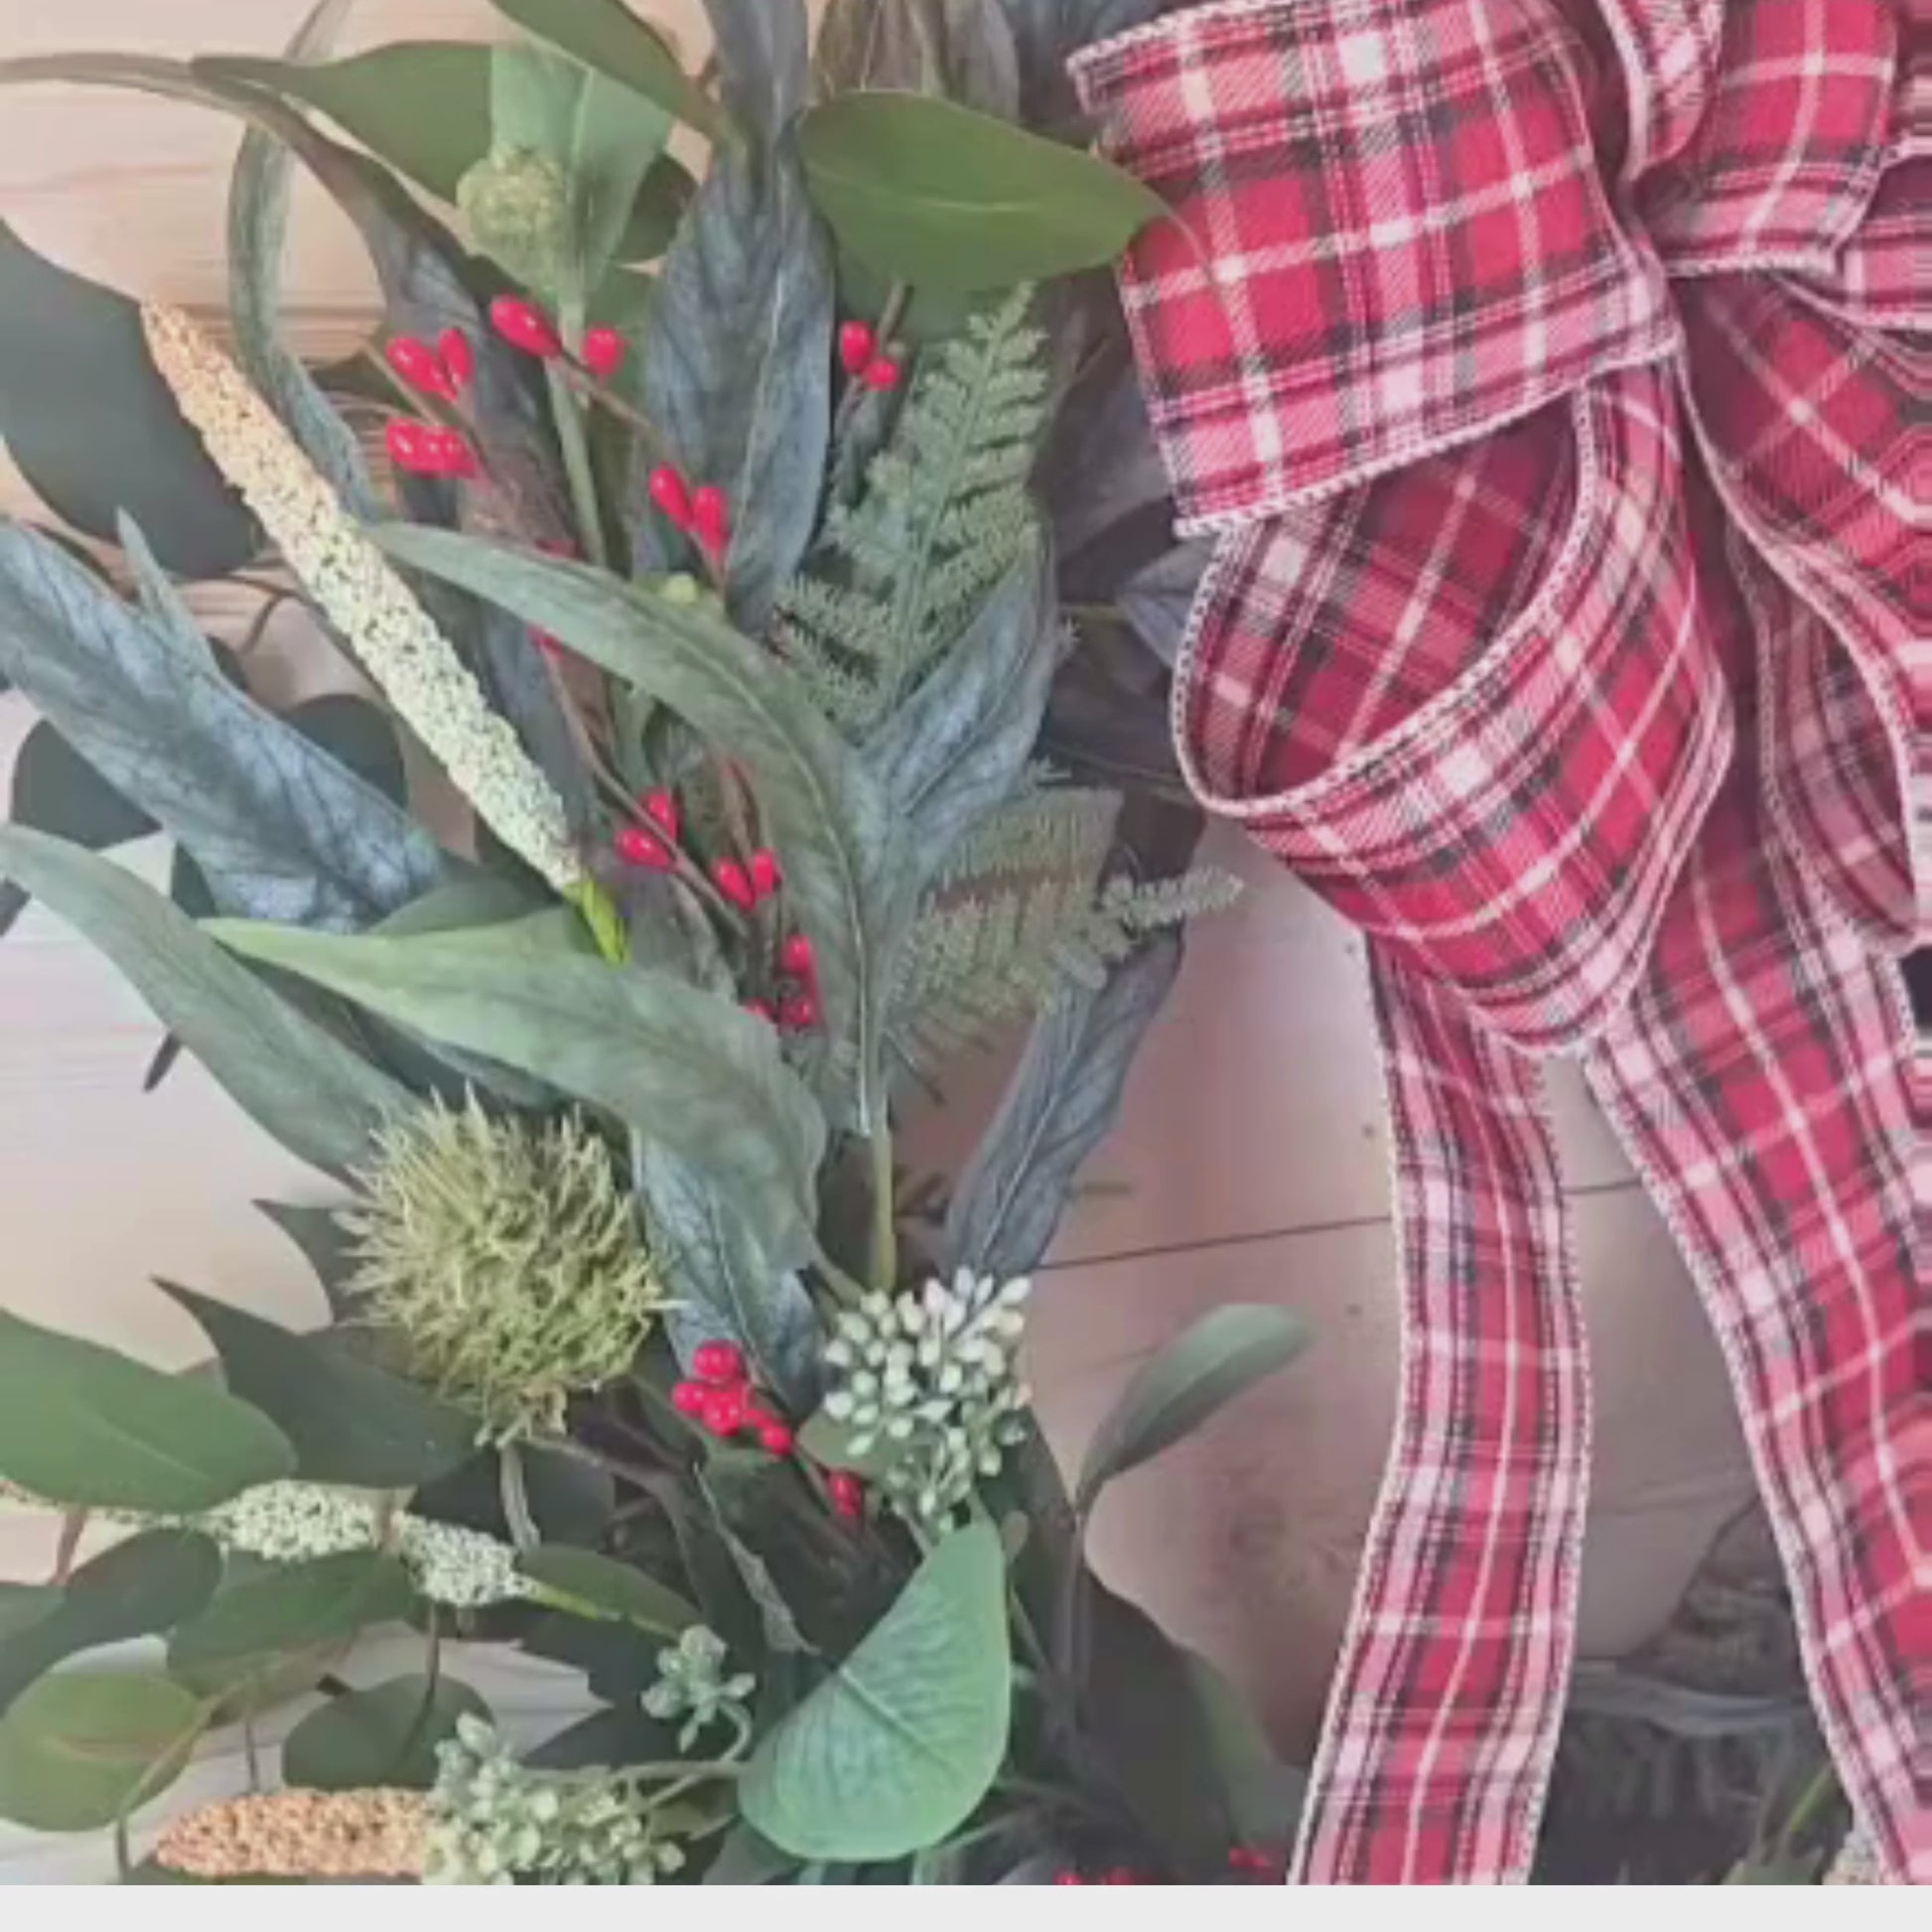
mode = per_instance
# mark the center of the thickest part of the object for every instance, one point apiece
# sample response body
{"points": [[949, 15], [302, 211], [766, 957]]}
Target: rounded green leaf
{"points": [[610, 40], [80, 1748], [895, 1750], [282, 1609], [939, 196], [588, 1585], [1200, 1370], [82, 1425], [384, 1736]]}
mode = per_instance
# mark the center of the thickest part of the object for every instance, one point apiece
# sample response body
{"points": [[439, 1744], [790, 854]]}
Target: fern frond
{"points": [[1063, 829], [944, 516]]}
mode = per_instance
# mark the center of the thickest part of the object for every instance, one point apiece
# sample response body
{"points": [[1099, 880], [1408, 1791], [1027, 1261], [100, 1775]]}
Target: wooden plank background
{"points": [[1250, 1165]]}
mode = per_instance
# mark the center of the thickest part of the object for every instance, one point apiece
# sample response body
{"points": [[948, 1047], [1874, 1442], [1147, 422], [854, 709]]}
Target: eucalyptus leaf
{"points": [[685, 1068], [258, 213], [1222, 1355], [849, 873], [1059, 1105], [900, 1744], [937, 194], [383, 1737], [96, 430], [348, 1421], [283, 1610], [735, 370], [321, 1101], [588, 1585], [56, 790], [611, 41], [80, 1748], [724, 1285], [280, 828], [82, 1425]]}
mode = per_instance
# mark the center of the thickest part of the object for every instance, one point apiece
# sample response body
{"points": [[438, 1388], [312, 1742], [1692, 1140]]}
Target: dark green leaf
{"points": [[683, 1067], [848, 870], [588, 1585], [321, 1236], [23, 1605], [348, 1423], [317, 1097], [622, 1736], [723, 1285], [1059, 1105], [761, 47], [282, 830], [1155, 601], [56, 790], [1225, 1354], [79, 1749], [935, 193], [1046, 32], [358, 736], [277, 1610], [776, 1622], [1263, 1791], [385, 1735], [80, 1423], [613, 41], [896, 1749], [1102, 466], [747, 1858], [736, 372], [88, 418]]}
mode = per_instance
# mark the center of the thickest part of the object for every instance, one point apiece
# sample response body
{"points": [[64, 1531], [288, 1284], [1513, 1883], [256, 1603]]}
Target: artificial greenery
{"points": [[731, 537]]}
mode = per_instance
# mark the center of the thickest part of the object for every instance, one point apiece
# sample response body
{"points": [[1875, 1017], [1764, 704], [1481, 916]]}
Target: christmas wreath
{"points": [[749, 511]]}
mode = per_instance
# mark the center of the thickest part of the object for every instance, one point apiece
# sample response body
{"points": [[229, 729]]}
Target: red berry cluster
{"points": [[702, 514], [723, 1400], [864, 360], [1117, 1874], [1261, 1866], [847, 1492], [445, 373], [524, 326]]}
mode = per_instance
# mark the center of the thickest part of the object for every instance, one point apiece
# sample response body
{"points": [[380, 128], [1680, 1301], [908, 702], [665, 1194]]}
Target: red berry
{"points": [[453, 455], [688, 1398], [420, 366], [776, 1437], [735, 884], [798, 1013], [524, 326], [724, 1411], [644, 850], [762, 1010], [847, 1492], [546, 643], [1121, 1875], [721, 1363], [672, 497], [711, 521], [766, 874], [882, 372], [855, 345], [459, 358], [796, 956], [661, 809], [409, 447], [604, 352], [1068, 1877]]}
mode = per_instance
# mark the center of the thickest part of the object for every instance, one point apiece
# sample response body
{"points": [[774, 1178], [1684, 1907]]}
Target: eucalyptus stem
{"points": [[577, 463]]}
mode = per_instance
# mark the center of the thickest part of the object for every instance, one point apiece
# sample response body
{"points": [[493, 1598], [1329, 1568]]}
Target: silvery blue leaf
{"points": [[763, 69], [1155, 601]]}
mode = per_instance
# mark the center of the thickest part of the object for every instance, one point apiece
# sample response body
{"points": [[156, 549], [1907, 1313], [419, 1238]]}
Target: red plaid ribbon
{"points": [[1549, 366]]}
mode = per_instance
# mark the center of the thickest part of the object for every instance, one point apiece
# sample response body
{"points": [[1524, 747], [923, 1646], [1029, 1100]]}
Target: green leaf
{"points": [[1222, 1355], [847, 871], [56, 790], [1059, 1105], [275, 1610], [317, 1097], [23, 1605], [613, 42], [896, 1749], [324, 1243], [587, 1584], [348, 1423], [681, 1066], [79, 1749], [383, 1737], [92, 425], [745, 1857], [82, 1425], [761, 49], [358, 736], [1263, 1791], [621, 1735], [282, 830], [937, 194]]}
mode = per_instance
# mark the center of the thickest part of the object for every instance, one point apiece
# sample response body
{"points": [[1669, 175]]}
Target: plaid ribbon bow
{"points": [[1556, 373]]}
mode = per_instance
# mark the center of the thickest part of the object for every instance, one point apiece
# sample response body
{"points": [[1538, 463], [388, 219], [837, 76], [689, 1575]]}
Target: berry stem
{"points": [[577, 464]]}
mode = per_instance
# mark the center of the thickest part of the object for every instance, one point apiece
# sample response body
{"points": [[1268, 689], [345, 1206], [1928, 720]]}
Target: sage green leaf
{"points": [[940, 196], [736, 370], [725, 1284], [82, 1425], [22, 1605], [610, 40], [849, 873], [348, 1421], [94, 428], [587, 1584], [383, 1737], [1059, 1105], [1263, 1791], [56, 790], [896, 1749], [682, 1067], [299, 1083], [1222, 1355], [274, 1610], [258, 213], [82, 1749], [280, 828]]}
